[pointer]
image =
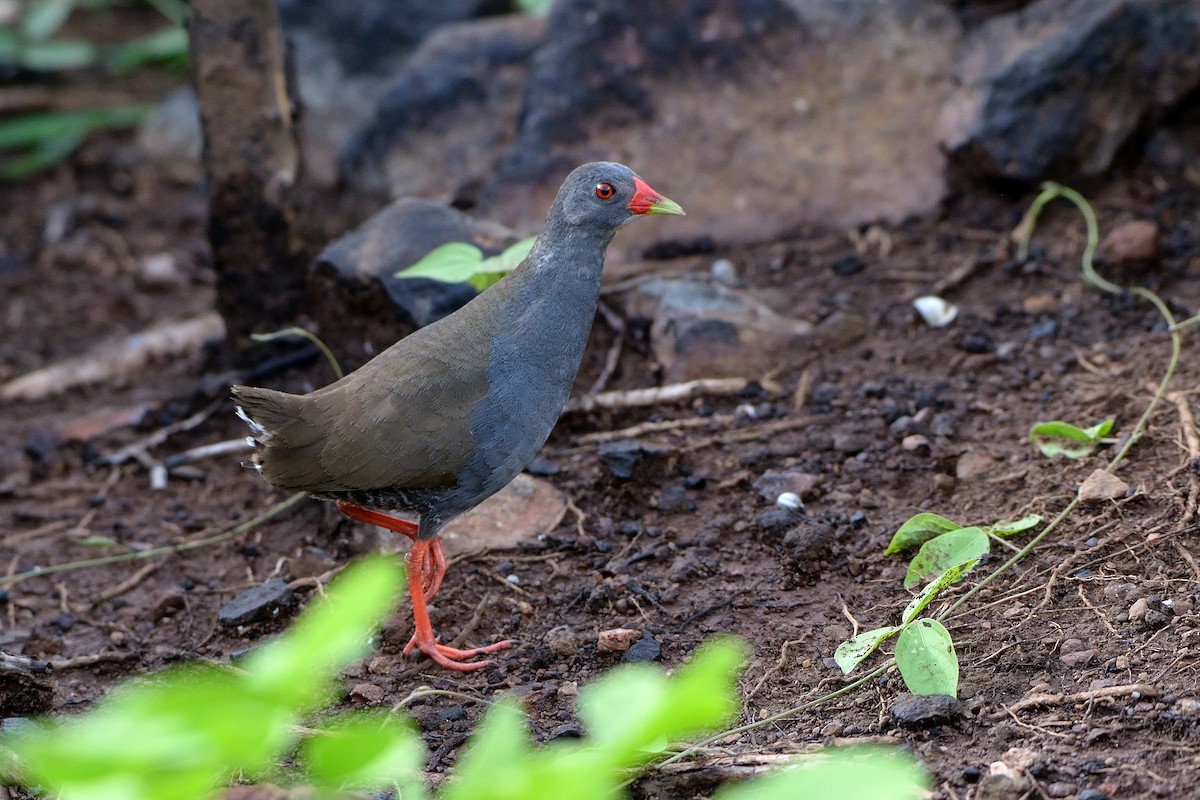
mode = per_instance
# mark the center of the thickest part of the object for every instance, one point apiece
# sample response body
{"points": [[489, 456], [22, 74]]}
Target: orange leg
{"points": [[435, 563], [417, 561]]}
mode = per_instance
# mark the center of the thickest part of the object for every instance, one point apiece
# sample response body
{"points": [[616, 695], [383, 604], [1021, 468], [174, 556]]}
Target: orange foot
{"points": [[418, 560]]}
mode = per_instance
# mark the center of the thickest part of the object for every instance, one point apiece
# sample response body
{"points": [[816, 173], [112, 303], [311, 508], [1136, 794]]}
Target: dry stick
{"points": [[614, 352], [661, 426], [127, 584], [671, 393], [139, 448], [38, 572], [1033, 700]]}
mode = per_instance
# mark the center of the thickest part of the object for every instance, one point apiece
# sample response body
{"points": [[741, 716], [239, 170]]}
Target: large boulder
{"points": [[756, 115], [1055, 89]]}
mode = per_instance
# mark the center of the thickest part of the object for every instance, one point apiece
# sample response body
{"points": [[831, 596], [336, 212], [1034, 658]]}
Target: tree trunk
{"points": [[252, 160]]}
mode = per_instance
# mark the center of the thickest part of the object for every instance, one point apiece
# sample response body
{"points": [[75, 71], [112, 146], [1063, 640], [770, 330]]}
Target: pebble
{"points": [[724, 271], [562, 641], [1101, 485], [1040, 304], [772, 483], [616, 640], [623, 456], [789, 500], [256, 603], [914, 441], [645, 649], [975, 343], [1046, 329], [366, 693], [1079, 658], [920, 711], [1060, 789], [1092, 794], [160, 271], [847, 265], [1131, 242], [974, 464], [673, 498], [935, 312]]}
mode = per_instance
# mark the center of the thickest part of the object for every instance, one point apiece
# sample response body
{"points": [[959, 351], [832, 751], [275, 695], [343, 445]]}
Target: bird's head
{"points": [[605, 195]]}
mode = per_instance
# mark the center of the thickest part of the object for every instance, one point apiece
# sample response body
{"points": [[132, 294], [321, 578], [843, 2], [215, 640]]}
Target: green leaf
{"points": [[96, 540], [329, 635], [181, 733], [934, 587], [168, 47], [918, 530], [48, 138], [944, 552], [1012, 527], [852, 773], [43, 18], [459, 262], [635, 711], [850, 653], [926, 658], [365, 751], [1057, 438], [57, 55]]}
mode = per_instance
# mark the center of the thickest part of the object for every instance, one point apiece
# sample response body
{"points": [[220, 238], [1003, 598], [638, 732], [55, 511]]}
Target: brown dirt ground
{"points": [[1058, 623]]}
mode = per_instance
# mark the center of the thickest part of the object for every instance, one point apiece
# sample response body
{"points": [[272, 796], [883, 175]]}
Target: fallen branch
{"points": [[671, 393], [1034, 700], [114, 361]]}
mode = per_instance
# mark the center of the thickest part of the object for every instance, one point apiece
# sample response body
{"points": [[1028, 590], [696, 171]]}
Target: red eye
{"points": [[605, 191]]}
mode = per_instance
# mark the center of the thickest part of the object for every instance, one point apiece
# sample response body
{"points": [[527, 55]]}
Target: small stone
{"points": [[623, 456], [778, 519], [847, 265], [644, 649], [256, 603], [366, 693], [944, 483], [789, 500], [1188, 707], [976, 343], [562, 641], [1133, 242], [914, 441], [568, 689], [1046, 329], [1079, 658], [773, 483], [851, 443], [1137, 611], [1060, 789], [672, 498], [160, 271], [974, 464], [724, 271], [935, 312], [616, 640], [920, 711], [1101, 485], [1092, 794], [1040, 304]]}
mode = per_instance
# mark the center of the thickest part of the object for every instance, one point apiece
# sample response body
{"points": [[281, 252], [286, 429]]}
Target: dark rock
{"points": [[355, 275], [1046, 329], [773, 483], [707, 330], [438, 130], [976, 343], [369, 33], [921, 711], [774, 521], [256, 603], [847, 265], [623, 456], [612, 77], [695, 482], [673, 498], [644, 649], [806, 545], [1091, 794], [1056, 88]]}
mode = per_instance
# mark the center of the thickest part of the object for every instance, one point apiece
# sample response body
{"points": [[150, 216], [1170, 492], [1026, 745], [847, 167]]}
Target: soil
{"points": [[688, 548]]}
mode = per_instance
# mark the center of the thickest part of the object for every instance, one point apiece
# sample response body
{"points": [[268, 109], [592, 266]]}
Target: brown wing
{"points": [[401, 421]]}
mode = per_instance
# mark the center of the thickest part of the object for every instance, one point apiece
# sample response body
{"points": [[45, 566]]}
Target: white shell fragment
{"points": [[936, 312], [789, 500]]}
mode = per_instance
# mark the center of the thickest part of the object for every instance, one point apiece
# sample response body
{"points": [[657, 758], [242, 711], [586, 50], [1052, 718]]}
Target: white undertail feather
{"points": [[260, 437]]}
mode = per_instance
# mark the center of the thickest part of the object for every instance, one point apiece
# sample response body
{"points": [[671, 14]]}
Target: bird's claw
{"points": [[452, 657]]}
